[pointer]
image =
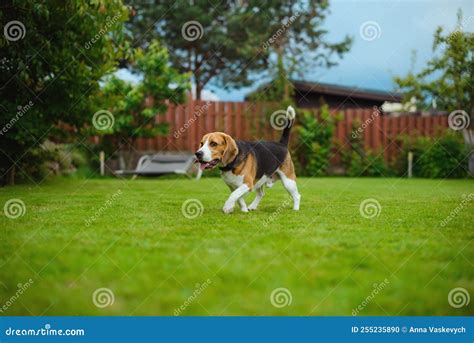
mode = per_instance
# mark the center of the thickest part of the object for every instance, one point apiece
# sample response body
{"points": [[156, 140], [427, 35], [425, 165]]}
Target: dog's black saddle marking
{"points": [[269, 156]]}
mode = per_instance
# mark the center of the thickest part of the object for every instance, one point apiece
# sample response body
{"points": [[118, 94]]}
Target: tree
{"points": [[130, 109], [215, 41], [298, 43], [448, 77], [228, 42], [299, 39], [53, 55]]}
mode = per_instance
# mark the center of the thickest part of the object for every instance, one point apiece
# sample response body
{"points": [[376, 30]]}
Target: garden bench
{"points": [[163, 164]]}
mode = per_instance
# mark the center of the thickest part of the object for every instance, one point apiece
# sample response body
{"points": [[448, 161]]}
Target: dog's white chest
{"points": [[232, 180]]}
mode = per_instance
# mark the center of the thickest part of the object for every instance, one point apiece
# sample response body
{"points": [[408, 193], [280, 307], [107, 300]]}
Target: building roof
{"points": [[354, 92], [305, 87]]}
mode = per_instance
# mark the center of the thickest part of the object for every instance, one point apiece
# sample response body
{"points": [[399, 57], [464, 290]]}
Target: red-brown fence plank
{"points": [[246, 120], [239, 123]]}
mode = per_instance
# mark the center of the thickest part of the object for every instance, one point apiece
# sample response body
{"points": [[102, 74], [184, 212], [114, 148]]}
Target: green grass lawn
{"points": [[155, 260]]}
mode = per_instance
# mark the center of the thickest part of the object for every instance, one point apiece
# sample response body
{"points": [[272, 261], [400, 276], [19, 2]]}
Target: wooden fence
{"points": [[250, 121]]}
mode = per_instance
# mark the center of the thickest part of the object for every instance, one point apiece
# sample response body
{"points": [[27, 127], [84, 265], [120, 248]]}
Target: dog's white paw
{"points": [[252, 207], [245, 210], [228, 209]]}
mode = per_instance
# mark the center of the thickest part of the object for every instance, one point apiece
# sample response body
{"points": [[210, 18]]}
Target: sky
{"points": [[385, 33], [399, 26]]}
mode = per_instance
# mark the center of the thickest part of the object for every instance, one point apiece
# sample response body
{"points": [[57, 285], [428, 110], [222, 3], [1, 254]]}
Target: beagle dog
{"points": [[247, 166]]}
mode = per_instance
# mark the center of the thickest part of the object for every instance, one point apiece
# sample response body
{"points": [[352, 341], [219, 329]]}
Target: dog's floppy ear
{"points": [[230, 151]]}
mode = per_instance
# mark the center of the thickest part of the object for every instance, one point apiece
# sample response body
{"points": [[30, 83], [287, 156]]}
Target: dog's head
{"points": [[215, 148]]}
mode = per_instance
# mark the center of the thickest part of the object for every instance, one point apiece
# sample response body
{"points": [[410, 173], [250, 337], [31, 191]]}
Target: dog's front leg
{"points": [[234, 196]]}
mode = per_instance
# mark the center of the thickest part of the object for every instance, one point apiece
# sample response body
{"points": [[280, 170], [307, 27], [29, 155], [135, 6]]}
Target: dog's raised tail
{"points": [[290, 116]]}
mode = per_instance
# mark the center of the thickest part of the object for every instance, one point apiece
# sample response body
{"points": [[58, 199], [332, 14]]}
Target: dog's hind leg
{"points": [[286, 172], [260, 193]]}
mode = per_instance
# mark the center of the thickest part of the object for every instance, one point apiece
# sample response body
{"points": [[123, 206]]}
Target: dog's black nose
{"points": [[198, 154]]}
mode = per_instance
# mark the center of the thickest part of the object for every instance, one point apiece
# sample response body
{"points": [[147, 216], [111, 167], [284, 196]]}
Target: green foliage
{"points": [[295, 35], [50, 159], [228, 41], [315, 141], [367, 164], [448, 76], [434, 157], [135, 106], [68, 46], [361, 162], [208, 39]]}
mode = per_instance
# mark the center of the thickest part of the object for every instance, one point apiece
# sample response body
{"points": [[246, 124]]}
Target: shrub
{"points": [[50, 159], [440, 157], [315, 142], [360, 162]]}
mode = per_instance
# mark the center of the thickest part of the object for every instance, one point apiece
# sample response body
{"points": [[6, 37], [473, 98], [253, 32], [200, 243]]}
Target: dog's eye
{"points": [[213, 144], [200, 144]]}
